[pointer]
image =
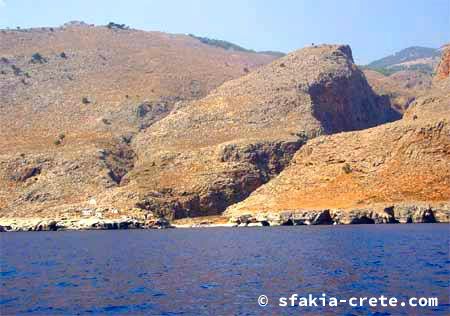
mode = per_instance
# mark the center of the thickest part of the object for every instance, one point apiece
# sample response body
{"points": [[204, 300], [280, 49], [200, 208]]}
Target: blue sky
{"points": [[373, 28]]}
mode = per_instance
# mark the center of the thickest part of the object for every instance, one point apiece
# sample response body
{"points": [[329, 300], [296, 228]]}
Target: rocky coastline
{"points": [[395, 214]]}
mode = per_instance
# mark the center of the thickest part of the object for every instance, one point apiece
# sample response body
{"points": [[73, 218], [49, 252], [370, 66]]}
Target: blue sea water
{"points": [[222, 271]]}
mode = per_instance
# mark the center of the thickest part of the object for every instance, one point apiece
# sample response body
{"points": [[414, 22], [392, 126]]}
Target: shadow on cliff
{"points": [[334, 104]]}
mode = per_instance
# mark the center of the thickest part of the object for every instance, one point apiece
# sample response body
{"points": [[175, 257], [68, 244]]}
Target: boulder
{"points": [[442, 213], [25, 173]]}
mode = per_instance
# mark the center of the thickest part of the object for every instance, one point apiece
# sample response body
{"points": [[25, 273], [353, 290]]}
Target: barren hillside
{"points": [[72, 98], [414, 58], [87, 82]]}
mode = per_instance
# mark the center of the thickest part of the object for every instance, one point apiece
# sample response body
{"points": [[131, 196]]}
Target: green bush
{"points": [[116, 26]]}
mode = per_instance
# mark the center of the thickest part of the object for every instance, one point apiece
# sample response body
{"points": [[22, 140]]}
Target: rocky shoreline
{"points": [[397, 214], [92, 223]]}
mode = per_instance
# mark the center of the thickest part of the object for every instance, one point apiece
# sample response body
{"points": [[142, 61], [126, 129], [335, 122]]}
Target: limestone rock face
{"points": [[210, 153], [407, 161]]}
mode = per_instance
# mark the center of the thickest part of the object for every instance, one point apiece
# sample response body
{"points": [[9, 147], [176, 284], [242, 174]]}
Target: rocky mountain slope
{"points": [[394, 172], [73, 97], [204, 155], [211, 153], [88, 81], [108, 122]]}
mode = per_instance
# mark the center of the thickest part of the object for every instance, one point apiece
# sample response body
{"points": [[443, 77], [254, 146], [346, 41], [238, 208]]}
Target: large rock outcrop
{"points": [[210, 153]]}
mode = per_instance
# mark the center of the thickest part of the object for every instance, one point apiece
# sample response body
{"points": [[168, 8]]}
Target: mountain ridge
{"points": [[407, 54]]}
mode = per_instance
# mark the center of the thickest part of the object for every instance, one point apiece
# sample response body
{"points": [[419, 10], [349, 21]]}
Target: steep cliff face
{"points": [[407, 161], [208, 154]]}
